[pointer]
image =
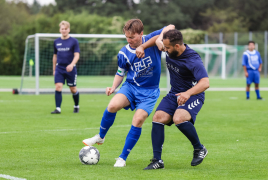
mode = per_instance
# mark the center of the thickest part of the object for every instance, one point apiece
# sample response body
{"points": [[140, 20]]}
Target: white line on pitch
{"points": [[51, 130], [10, 177]]}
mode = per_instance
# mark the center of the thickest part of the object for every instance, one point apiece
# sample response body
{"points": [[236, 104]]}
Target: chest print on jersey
{"points": [[174, 68]]}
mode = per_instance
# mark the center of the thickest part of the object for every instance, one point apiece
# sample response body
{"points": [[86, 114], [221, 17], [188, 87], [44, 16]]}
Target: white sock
{"points": [[76, 106], [58, 108]]}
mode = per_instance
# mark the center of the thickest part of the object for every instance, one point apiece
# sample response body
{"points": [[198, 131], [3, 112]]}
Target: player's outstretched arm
{"points": [[140, 50], [159, 41], [70, 67], [201, 86], [54, 63], [117, 81]]}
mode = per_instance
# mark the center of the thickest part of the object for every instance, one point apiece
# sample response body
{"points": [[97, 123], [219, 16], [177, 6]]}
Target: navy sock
{"points": [[132, 138], [247, 92], [76, 98], [106, 122], [188, 129], [58, 98], [158, 137], [258, 93]]}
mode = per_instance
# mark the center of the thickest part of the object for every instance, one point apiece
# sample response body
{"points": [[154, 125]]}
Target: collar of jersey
{"points": [[134, 50], [251, 52]]}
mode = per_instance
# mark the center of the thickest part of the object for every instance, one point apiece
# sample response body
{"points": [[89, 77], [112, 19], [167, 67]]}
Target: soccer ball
{"points": [[89, 155]]}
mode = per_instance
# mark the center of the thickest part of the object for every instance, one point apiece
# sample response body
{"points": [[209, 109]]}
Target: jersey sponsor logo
{"points": [[254, 58], [143, 64], [59, 44], [194, 83], [64, 49], [193, 104], [171, 67]]}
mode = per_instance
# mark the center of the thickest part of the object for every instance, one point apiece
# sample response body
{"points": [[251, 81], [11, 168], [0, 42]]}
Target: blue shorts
{"points": [[140, 97], [169, 105], [253, 77], [61, 74]]}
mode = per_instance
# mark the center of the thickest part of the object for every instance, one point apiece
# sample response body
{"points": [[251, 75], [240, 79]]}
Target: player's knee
{"points": [[113, 108], [138, 122], [73, 89], [58, 87], [179, 119], [157, 117]]}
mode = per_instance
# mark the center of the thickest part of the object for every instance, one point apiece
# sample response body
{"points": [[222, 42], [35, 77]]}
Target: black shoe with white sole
{"points": [[155, 164], [76, 110], [199, 155], [55, 112]]}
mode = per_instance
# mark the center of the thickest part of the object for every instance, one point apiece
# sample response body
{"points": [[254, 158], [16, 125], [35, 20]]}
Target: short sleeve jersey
{"points": [[143, 72], [185, 71], [65, 49], [252, 60]]}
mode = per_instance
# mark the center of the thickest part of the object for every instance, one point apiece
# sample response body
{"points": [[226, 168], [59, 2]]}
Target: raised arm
{"points": [[140, 50], [159, 41]]}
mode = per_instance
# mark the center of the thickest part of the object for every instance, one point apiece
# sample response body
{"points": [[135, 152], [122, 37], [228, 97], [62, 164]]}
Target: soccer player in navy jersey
{"points": [[252, 65], [189, 80], [140, 91], [66, 55]]}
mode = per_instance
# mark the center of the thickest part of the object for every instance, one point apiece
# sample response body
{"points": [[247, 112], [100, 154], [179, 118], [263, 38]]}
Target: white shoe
{"points": [[94, 140], [120, 162]]}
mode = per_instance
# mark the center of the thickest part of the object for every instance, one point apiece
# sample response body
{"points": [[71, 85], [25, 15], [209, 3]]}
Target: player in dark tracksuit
{"points": [[66, 55]]}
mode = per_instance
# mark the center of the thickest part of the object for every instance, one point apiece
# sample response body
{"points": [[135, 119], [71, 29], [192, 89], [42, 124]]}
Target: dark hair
{"points": [[133, 26], [251, 42], [174, 36]]}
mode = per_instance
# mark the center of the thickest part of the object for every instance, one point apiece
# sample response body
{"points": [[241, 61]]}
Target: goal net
{"points": [[98, 62]]}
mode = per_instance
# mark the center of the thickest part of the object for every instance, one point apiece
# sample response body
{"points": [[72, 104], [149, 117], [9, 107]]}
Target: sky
{"points": [[42, 2]]}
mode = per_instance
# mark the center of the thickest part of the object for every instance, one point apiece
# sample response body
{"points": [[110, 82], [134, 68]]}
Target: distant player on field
{"points": [[189, 80], [66, 55], [140, 91], [252, 65]]}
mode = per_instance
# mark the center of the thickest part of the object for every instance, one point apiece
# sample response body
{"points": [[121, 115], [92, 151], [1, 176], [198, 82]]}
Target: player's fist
{"points": [[69, 68], [160, 45], [140, 52], [183, 97], [109, 91], [246, 74]]}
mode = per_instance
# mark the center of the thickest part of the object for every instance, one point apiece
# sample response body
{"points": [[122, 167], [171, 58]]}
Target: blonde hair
{"points": [[133, 26], [65, 23]]}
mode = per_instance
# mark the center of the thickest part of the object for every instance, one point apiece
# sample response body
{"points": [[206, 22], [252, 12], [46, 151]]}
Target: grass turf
{"points": [[38, 145]]}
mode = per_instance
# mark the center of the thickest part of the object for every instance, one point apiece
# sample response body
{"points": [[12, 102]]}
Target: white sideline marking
{"points": [[51, 130], [10, 177]]}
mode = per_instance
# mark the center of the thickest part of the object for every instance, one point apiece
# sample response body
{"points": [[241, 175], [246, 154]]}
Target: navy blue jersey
{"points": [[65, 49], [185, 71], [143, 72]]}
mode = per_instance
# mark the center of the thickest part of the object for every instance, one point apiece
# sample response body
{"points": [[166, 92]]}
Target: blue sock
{"points": [[58, 98], [188, 129], [106, 122], [258, 93], [132, 138], [158, 137], [76, 98], [247, 92]]}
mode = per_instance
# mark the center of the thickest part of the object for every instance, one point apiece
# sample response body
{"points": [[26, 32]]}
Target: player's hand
{"points": [[109, 91], [259, 69], [54, 73], [140, 52], [160, 45], [69, 68], [183, 97], [246, 74]]}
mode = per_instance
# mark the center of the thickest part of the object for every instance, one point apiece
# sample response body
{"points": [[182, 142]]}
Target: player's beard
{"points": [[173, 54]]}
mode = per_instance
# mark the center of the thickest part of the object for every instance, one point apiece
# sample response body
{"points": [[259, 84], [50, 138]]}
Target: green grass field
{"points": [[40, 146]]}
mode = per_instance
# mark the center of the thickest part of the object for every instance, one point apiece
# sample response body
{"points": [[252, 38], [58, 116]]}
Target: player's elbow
{"points": [[205, 82], [171, 26]]}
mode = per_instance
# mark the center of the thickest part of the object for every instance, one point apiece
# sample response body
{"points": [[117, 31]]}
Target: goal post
{"points": [[98, 62]]}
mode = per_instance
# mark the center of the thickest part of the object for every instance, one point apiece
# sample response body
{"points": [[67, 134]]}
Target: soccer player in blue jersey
{"points": [[252, 65], [189, 80], [66, 55], [140, 91]]}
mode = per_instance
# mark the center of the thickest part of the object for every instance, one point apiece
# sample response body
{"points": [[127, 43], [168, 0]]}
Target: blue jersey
{"points": [[252, 60], [185, 71], [143, 72], [65, 49]]}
